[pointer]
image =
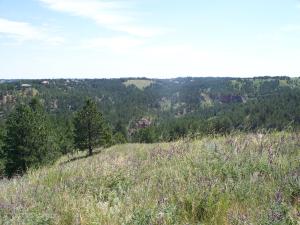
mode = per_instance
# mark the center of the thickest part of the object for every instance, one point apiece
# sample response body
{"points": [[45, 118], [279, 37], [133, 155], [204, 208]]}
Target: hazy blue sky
{"points": [[154, 38]]}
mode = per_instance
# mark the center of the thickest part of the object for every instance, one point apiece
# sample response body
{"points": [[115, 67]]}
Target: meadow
{"points": [[234, 179]]}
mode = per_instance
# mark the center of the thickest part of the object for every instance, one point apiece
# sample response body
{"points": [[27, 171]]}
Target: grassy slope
{"points": [[141, 84], [241, 179]]}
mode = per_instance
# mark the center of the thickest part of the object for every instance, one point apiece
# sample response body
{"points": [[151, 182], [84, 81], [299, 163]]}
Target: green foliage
{"points": [[145, 135], [65, 137], [179, 107], [29, 141], [118, 138], [90, 128], [121, 129], [221, 125], [2, 155]]}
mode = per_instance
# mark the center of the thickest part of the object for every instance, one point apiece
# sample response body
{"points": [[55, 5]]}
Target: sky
{"points": [[148, 38]]}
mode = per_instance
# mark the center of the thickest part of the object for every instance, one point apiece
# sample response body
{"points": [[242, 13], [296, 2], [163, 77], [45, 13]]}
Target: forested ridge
{"points": [[175, 107]]}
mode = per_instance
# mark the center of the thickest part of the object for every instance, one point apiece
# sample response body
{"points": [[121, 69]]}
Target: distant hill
{"points": [[242, 103]]}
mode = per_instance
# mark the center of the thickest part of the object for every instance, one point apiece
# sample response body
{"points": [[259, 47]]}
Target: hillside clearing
{"points": [[239, 179], [140, 84]]}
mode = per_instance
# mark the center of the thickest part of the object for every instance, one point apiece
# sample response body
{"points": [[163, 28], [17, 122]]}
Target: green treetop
{"points": [[90, 129]]}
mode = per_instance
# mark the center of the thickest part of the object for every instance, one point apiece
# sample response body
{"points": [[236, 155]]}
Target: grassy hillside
{"points": [[239, 179]]}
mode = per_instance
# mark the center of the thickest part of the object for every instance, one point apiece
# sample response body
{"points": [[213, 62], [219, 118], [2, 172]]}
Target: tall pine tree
{"points": [[90, 129], [29, 141], [2, 155], [65, 136]]}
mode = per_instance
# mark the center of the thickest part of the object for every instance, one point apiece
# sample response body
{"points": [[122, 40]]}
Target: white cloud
{"points": [[19, 30], [140, 31], [117, 44], [112, 14], [22, 31]]}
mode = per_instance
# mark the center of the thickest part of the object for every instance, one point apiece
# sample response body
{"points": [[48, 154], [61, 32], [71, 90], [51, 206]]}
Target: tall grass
{"points": [[238, 179]]}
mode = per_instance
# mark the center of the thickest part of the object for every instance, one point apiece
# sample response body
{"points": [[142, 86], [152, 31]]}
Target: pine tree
{"points": [[120, 128], [119, 133], [65, 137], [29, 141], [90, 129], [2, 155]]}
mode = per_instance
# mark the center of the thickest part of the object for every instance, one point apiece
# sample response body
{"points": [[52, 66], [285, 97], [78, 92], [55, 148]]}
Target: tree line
{"points": [[31, 139]]}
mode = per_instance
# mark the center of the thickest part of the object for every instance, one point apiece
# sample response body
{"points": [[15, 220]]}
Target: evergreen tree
{"points": [[65, 136], [118, 138], [2, 155], [119, 133], [90, 129], [145, 135], [120, 128], [29, 141]]}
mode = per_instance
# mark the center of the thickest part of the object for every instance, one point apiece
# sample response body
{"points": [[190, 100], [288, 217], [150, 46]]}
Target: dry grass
{"points": [[239, 179], [140, 84]]}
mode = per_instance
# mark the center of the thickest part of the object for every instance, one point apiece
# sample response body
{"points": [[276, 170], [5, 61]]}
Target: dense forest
{"points": [[138, 110], [199, 105]]}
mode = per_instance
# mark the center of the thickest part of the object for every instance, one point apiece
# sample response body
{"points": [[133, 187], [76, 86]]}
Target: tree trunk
{"points": [[90, 139], [90, 151]]}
